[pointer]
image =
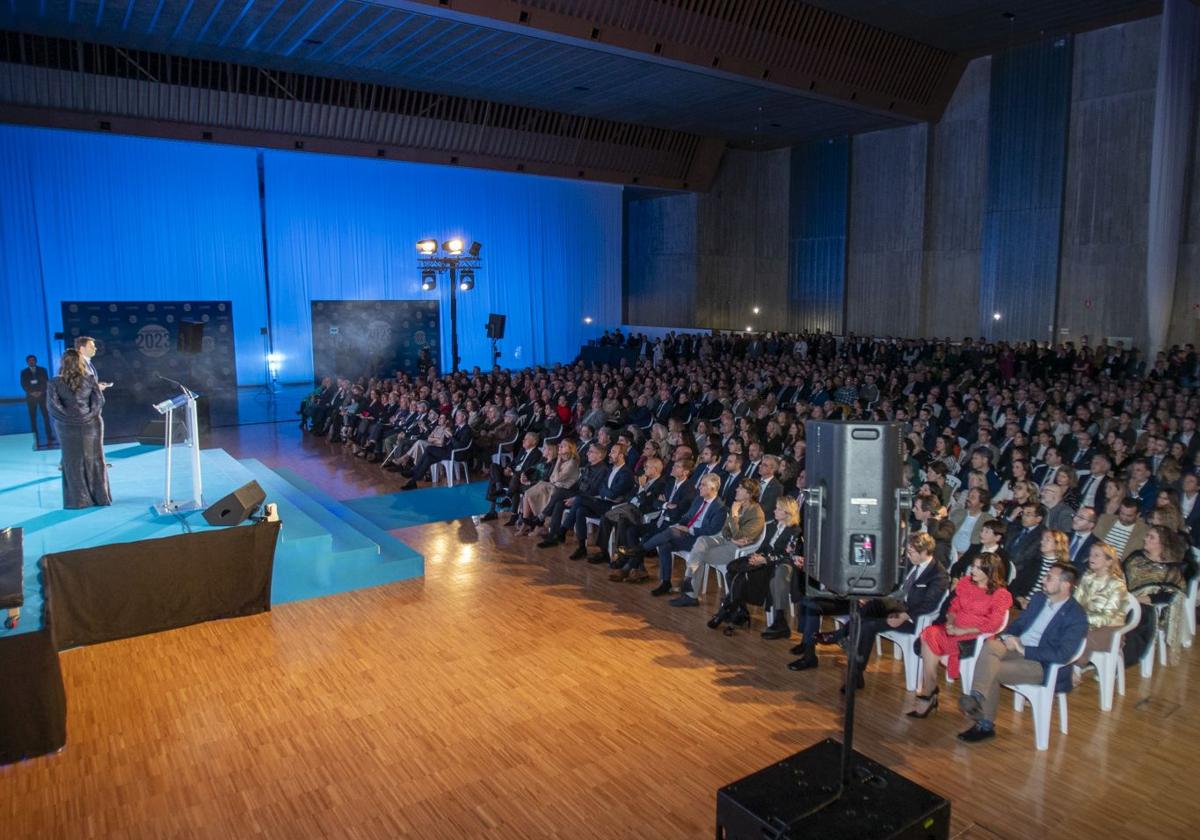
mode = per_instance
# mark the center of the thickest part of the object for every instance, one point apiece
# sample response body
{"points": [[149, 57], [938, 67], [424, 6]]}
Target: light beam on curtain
{"points": [[346, 229]]}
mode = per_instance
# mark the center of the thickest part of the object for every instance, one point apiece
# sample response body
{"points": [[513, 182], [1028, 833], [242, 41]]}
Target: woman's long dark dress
{"points": [[80, 430]]}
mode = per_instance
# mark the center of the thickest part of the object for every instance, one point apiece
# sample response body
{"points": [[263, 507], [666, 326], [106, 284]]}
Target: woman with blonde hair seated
{"points": [[766, 572], [980, 605], [561, 480], [1102, 593]]}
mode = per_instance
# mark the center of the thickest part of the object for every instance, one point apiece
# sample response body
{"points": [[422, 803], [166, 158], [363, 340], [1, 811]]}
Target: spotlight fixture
{"points": [[747, 329], [453, 246], [587, 319], [427, 246], [428, 281], [755, 310], [460, 265], [466, 280], [995, 316], [475, 249]]}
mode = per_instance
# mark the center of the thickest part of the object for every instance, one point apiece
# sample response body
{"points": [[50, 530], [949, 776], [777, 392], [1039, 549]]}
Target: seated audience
{"points": [[743, 525], [1048, 632], [980, 605]]}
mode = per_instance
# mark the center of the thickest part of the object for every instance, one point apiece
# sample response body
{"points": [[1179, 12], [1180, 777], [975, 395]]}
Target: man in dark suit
{"points": [[1049, 632], [34, 380], [505, 480], [1142, 485], [648, 488], [1093, 487], [709, 462], [1024, 542], [705, 517], [673, 501], [769, 486], [616, 485], [920, 593], [1082, 538], [731, 474], [1188, 504], [460, 439], [1045, 473]]}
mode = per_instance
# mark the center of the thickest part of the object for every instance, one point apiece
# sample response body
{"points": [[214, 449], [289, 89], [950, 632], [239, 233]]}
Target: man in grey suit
{"points": [[1058, 513]]}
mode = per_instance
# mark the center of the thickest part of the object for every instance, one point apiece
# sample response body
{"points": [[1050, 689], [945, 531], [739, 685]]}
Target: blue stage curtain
{"points": [[98, 217], [107, 218], [346, 228]]}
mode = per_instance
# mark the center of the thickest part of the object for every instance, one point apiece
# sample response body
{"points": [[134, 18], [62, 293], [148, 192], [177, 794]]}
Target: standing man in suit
{"points": [[86, 345], [705, 517], [1049, 632], [34, 380], [920, 593]]}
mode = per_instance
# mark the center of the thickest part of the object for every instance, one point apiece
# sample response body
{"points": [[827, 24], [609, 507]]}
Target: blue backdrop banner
{"points": [[138, 343], [372, 337]]}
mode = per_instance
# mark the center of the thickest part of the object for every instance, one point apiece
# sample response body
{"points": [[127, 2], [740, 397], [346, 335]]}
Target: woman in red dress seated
{"points": [[979, 605]]}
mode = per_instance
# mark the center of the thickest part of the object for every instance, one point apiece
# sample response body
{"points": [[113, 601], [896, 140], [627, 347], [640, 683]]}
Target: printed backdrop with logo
{"points": [[138, 342], [354, 338]]}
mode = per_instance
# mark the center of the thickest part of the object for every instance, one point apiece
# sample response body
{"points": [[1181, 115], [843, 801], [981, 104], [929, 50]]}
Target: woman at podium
{"points": [[75, 400]]}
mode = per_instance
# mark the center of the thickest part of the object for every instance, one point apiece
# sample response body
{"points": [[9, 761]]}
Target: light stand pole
{"points": [[461, 269]]}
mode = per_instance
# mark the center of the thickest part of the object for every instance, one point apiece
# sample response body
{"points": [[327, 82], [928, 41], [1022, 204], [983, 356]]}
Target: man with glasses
{"points": [[1082, 538]]}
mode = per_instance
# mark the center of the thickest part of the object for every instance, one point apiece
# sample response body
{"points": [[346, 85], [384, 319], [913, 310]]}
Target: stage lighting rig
{"points": [[460, 266]]}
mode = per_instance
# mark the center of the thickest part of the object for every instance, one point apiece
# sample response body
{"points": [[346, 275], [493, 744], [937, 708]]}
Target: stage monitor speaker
{"points": [[495, 326], [191, 336], [856, 512], [791, 799], [237, 507]]}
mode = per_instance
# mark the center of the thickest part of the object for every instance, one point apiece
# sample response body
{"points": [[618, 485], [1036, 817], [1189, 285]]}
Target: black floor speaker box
{"points": [[237, 507], [784, 801]]}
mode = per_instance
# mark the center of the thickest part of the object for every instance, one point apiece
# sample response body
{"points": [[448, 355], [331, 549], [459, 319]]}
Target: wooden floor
{"points": [[513, 693]]}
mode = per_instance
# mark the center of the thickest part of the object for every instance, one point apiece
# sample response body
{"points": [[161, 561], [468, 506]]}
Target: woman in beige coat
{"points": [[562, 478]]}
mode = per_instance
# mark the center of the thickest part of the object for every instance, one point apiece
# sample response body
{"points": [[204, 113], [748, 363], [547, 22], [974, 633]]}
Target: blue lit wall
{"points": [[96, 217]]}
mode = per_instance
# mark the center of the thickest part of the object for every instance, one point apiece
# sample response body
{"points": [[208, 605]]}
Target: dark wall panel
{"points": [[885, 242], [1027, 141], [660, 248], [955, 193], [817, 215], [1108, 181], [742, 240]]}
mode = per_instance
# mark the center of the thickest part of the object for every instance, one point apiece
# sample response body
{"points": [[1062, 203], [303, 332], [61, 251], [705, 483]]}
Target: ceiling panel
{"points": [[374, 43], [977, 27]]}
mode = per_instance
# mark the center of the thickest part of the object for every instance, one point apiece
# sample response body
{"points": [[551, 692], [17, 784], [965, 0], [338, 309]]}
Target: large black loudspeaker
{"points": [[793, 798], [495, 326], [856, 515], [237, 507]]}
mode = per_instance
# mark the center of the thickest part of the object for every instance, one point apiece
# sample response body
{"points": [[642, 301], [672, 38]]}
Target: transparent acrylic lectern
{"points": [[167, 408]]}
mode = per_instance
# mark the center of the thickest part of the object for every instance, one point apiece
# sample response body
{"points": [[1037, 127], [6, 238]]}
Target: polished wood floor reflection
{"points": [[513, 693]]}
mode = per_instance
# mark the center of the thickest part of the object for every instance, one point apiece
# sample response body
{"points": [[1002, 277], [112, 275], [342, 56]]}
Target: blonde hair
{"points": [[792, 507]]}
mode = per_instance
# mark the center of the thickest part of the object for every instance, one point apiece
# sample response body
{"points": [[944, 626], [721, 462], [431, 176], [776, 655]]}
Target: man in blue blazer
{"points": [[615, 487], [1048, 632], [705, 517]]}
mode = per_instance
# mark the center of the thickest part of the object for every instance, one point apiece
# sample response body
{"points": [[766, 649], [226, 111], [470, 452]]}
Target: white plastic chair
{"points": [[1041, 699], [451, 466], [504, 452], [906, 645], [966, 665], [1110, 664], [1189, 604], [1158, 641], [722, 580]]}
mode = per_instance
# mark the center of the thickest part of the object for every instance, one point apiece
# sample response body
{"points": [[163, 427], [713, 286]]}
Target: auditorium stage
{"points": [[324, 546]]}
